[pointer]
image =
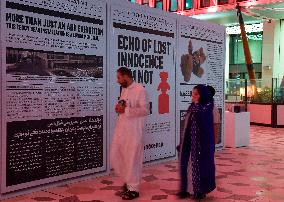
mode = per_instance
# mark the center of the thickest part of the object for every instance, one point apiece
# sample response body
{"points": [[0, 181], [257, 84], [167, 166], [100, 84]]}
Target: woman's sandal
{"points": [[183, 195], [130, 195], [199, 196]]}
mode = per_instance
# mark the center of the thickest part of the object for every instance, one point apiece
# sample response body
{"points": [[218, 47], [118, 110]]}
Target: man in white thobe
{"points": [[127, 148]]}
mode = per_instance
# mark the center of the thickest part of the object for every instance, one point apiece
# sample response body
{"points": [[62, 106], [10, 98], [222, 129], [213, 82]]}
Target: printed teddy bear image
{"points": [[191, 62], [164, 98]]}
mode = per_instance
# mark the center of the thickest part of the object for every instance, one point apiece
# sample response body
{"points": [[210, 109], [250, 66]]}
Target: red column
{"points": [[181, 5], [232, 1], [213, 2], [152, 3], [139, 1], [196, 4], [166, 5]]}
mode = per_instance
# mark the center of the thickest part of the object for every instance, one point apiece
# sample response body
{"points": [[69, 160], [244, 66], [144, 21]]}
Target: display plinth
{"points": [[237, 126]]}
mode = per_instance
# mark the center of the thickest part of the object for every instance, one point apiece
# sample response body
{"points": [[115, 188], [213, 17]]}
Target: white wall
{"points": [[268, 52], [277, 72], [281, 44], [227, 58], [273, 50]]}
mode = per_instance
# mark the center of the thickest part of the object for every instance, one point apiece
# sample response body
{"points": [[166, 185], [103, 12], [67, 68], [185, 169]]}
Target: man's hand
{"points": [[178, 148], [119, 109]]}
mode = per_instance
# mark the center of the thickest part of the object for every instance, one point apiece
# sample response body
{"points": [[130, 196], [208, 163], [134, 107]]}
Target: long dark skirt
{"points": [[198, 148]]}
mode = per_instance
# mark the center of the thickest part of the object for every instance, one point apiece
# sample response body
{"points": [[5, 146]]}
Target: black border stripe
{"points": [[261, 124], [22, 89], [51, 52], [144, 30], [191, 84], [48, 12], [196, 38]]}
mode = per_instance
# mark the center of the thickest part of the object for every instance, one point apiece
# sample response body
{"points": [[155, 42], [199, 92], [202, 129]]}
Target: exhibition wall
{"points": [[58, 83]]}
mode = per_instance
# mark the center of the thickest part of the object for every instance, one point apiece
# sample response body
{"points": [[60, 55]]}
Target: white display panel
{"points": [[200, 60], [53, 90], [144, 41]]}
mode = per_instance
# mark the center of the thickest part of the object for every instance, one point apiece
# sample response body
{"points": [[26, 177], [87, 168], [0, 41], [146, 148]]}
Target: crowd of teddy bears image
{"points": [[191, 62]]}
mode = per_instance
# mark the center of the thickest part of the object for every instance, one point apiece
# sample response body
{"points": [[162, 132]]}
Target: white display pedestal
{"points": [[237, 129]]}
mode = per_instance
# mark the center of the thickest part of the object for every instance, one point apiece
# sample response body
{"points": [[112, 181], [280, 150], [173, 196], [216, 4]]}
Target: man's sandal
{"points": [[130, 195], [122, 191], [124, 188]]}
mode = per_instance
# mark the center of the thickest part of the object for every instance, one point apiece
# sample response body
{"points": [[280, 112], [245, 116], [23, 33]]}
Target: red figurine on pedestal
{"points": [[164, 98]]}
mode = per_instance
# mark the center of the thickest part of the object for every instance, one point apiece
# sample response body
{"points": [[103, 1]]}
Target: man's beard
{"points": [[124, 84]]}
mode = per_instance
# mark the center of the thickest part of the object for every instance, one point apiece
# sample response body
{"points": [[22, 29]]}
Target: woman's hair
{"points": [[212, 90], [205, 95]]}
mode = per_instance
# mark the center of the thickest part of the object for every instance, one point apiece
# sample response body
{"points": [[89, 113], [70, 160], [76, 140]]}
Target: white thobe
{"points": [[216, 115], [127, 150]]}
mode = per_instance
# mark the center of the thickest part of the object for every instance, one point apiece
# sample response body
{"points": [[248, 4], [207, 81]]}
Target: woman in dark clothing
{"points": [[197, 147]]}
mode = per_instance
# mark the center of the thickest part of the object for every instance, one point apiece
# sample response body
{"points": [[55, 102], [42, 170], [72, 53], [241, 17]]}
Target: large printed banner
{"points": [[53, 90], [145, 42], [200, 60]]}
